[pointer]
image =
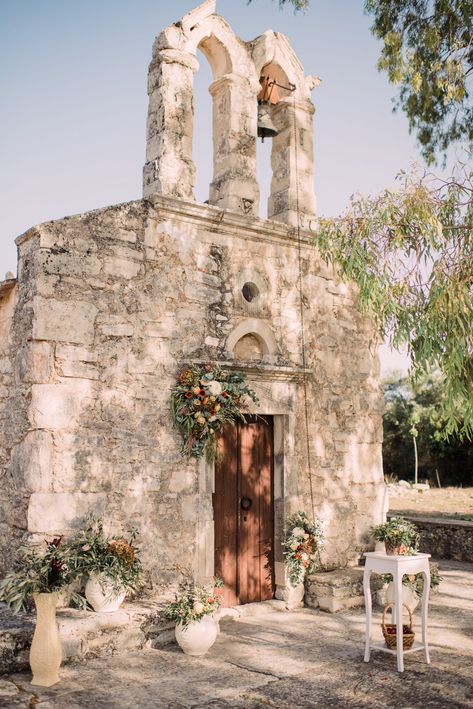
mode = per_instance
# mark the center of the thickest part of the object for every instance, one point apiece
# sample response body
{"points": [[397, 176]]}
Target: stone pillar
{"points": [[169, 168], [234, 184], [292, 184]]}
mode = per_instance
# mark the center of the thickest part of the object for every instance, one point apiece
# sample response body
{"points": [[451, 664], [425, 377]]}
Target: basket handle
{"points": [[391, 605]]}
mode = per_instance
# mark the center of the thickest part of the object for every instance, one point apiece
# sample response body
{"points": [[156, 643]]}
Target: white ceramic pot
{"points": [[197, 637], [46, 650], [408, 596], [101, 594], [294, 595]]}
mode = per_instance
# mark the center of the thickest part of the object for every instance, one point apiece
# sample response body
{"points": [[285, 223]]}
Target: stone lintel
{"points": [[261, 372], [226, 221]]}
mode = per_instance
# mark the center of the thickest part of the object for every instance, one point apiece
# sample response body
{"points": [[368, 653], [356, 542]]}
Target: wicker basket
{"points": [[390, 630]]}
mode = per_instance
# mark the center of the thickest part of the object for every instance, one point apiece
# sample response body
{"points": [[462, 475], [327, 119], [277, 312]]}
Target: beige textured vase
{"points": [[46, 650]]}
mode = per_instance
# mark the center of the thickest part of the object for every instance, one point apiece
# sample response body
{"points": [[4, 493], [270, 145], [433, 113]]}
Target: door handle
{"points": [[246, 503]]}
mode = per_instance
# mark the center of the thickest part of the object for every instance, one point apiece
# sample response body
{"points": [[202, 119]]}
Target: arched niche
{"points": [[249, 348], [252, 336]]}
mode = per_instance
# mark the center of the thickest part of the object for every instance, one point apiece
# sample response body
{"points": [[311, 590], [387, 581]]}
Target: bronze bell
{"points": [[266, 97], [266, 128]]}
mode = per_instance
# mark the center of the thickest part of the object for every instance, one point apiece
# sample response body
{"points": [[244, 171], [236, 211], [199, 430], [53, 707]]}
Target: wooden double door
{"points": [[243, 505]]}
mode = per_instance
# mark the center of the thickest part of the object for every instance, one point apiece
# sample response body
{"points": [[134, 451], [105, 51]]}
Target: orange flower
{"points": [[122, 549], [188, 395]]}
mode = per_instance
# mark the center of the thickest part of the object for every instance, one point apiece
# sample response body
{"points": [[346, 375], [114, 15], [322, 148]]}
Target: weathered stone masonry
{"points": [[108, 305]]}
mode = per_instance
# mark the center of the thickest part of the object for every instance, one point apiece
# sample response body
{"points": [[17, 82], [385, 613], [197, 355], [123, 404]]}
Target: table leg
{"points": [[398, 607], [367, 592], [425, 604]]}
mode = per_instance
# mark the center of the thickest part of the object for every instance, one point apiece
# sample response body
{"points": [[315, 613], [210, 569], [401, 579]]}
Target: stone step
{"points": [[85, 633], [338, 590]]}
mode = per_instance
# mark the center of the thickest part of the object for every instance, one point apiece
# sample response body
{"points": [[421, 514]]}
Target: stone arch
{"points": [[236, 68], [291, 195], [257, 329], [169, 168]]}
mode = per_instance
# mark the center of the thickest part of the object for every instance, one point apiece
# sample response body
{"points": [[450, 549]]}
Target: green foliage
{"points": [[301, 546], [297, 4], [39, 568], [416, 581], [421, 403], [115, 557], [204, 399], [51, 566], [410, 252], [398, 532], [428, 52], [192, 603]]}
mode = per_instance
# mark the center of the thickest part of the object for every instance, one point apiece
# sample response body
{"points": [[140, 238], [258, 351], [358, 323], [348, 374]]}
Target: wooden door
{"points": [[243, 512]]}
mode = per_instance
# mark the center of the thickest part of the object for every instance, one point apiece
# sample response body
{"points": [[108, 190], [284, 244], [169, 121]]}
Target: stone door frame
{"points": [[285, 491]]}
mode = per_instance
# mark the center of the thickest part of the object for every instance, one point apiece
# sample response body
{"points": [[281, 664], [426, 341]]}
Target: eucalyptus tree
{"points": [[410, 252], [427, 52]]}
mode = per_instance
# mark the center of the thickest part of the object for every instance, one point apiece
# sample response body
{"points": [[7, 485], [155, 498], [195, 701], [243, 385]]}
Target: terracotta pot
{"points": [[46, 650], [197, 637], [101, 594], [395, 550]]}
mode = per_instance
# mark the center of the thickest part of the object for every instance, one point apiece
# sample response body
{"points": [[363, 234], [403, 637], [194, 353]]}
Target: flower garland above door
{"points": [[204, 399]]}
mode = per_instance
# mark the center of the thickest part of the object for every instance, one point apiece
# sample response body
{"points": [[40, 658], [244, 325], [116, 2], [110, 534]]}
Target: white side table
{"points": [[397, 566]]}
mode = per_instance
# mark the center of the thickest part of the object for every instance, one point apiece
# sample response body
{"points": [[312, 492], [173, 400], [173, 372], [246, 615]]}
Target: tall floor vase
{"points": [[46, 650]]}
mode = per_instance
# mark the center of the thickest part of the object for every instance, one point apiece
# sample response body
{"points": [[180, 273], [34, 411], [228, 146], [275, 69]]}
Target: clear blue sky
{"points": [[73, 103]]}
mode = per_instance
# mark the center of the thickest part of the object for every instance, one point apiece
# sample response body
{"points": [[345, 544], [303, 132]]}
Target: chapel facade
{"points": [[108, 306]]}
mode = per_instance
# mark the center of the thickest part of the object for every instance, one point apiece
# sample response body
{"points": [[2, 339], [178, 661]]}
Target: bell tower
{"points": [[258, 90]]}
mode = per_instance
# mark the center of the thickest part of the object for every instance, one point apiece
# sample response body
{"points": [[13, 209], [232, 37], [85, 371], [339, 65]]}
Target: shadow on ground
{"points": [[277, 658]]}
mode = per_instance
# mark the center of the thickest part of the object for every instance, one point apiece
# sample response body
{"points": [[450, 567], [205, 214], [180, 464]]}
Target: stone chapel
{"points": [[109, 305]]}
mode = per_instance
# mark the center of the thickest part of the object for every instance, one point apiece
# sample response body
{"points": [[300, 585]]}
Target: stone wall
{"points": [[109, 305], [19, 364], [445, 539]]}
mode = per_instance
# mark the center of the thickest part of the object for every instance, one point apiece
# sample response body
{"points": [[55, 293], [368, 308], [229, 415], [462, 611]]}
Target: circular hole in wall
{"points": [[250, 291]]}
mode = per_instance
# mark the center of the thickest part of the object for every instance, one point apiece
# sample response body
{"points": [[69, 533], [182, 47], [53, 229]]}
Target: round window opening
{"points": [[250, 292]]}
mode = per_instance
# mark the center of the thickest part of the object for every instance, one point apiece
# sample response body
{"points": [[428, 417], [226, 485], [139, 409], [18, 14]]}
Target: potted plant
{"points": [[40, 572], [111, 563], [302, 543], [400, 536], [193, 611]]}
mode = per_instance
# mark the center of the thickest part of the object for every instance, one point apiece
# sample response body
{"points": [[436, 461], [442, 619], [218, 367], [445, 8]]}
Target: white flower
{"points": [[198, 607], [298, 532], [214, 387], [304, 556]]}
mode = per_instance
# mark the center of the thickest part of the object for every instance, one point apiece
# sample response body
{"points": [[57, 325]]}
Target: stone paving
{"points": [[270, 657]]}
